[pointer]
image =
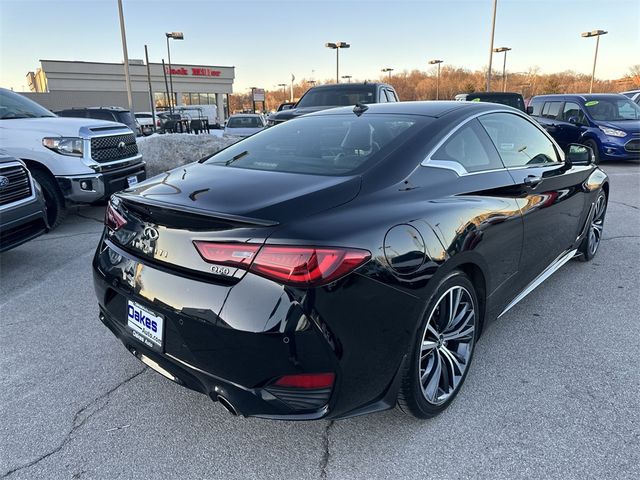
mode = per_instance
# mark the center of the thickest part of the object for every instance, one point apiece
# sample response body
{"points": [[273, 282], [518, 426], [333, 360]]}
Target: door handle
{"points": [[532, 181]]}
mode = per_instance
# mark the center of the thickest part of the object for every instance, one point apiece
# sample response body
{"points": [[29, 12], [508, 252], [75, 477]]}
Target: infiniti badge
{"points": [[150, 233]]}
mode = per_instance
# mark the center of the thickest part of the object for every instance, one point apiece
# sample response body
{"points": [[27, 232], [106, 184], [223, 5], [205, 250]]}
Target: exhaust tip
{"points": [[228, 406]]}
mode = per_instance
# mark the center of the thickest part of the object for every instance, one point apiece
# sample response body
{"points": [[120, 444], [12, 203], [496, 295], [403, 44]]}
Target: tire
{"points": [[596, 152], [53, 197], [589, 246], [424, 392]]}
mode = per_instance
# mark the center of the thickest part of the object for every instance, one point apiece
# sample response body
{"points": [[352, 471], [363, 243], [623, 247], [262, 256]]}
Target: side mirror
{"points": [[580, 155], [529, 110]]}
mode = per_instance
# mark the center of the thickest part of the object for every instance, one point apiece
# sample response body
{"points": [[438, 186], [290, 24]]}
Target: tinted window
{"points": [[469, 147], [518, 142], [101, 115], [551, 109], [72, 113], [573, 110], [342, 96], [322, 145], [537, 108], [511, 100], [143, 115], [245, 122], [13, 105]]}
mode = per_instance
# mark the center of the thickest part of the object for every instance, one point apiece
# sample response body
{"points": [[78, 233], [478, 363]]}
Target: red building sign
{"points": [[195, 71]]}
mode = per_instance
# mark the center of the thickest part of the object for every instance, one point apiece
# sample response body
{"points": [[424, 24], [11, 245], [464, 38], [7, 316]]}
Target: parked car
{"points": [[111, 114], [511, 99], [145, 122], [607, 123], [244, 125], [23, 213], [286, 106], [347, 261], [322, 97], [80, 160], [634, 95]]}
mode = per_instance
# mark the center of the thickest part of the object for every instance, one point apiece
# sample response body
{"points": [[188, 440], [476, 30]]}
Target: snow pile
{"points": [[170, 150]]}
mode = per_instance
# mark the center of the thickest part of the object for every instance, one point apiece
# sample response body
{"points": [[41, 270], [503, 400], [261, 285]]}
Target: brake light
{"points": [[290, 265], [233, 254], [307, 380], [307, 266], [113, 219]]}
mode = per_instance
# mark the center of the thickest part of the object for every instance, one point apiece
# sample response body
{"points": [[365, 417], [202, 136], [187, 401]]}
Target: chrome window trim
{"points": [[461, 171]]}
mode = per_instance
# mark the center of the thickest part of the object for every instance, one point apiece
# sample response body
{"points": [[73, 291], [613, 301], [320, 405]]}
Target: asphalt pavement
{"points": [[553, 392]]}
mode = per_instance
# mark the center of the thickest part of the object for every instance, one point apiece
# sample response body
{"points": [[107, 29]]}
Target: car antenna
{"points": [[360, 108]]}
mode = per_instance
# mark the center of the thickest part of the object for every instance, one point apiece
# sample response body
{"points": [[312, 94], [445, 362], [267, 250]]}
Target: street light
{"points": [[437, 62], [347, 77], [594, 33], [493, 31], [284, 91], [504, 66], [175, 36], [388, 70], [337, 46]]}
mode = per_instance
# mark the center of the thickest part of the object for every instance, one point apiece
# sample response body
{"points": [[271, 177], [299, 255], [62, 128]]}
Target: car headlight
{"points": [[612, 132], [71, 146]]}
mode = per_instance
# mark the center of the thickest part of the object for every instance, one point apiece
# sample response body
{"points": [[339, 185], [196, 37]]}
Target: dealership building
{"points": [[59, 84]]}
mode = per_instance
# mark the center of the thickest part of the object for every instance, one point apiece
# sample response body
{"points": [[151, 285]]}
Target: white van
{"points": [[194, 112]]}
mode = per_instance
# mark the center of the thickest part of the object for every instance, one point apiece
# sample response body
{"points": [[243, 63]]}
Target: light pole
{"points": [[337, 46], [126, 57], [594, 33], [347, 77], [284, 91], [387, 70], [504, 66], [437, 62], [175, 36], [493, 31]]}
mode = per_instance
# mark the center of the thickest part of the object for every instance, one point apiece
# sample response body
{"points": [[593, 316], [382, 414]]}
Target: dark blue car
{"points": [[608, 123]]}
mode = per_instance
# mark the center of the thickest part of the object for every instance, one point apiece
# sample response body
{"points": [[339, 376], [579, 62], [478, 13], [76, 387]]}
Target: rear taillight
{"points": [[113, 219], [307, 380], [290, 265], [158, 123], [233, 254]]}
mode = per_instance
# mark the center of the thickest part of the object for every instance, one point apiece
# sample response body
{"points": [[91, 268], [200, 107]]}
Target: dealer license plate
{"points": [[132, 180], [146, 326]]}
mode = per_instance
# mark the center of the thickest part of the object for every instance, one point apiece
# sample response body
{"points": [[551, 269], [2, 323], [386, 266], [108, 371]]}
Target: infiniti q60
{"points": [[347, 261]]}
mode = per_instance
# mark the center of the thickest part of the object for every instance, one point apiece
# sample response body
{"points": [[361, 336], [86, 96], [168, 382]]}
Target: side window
{"points": [[551, 110], [471, 148], [573, 110], [391, 96], [101, 115], [518, 141], [382, 96], [537, 108]]}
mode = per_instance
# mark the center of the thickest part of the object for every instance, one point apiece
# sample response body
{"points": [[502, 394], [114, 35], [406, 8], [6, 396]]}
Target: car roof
{"points": [[429, 108], [349, 85], [581, 96]]}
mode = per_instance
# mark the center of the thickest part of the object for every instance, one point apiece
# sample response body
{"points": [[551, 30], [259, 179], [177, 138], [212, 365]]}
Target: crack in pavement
{"points": [[77, 422], [324, 462], [625, 204]]}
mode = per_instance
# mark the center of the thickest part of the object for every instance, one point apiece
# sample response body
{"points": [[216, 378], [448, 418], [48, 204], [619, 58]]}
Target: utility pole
{"points": [[151, 102], [127, 78], [493, 31]]}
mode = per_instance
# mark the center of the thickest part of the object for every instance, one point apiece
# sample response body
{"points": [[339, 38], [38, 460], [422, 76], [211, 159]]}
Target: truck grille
{"points": [[17, 186], [116, 147], [633, 145]]}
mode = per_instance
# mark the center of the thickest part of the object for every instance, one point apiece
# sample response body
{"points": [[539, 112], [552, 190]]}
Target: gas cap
{"points": [[404, 249]]}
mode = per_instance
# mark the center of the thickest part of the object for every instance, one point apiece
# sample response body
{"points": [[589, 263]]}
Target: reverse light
{"points": [[70, 146], [113, 219], [289, 265], [307, 380], [612, 132]]}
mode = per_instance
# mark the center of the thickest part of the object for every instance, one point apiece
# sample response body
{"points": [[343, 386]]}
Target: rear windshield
{"points": [[125, 117], [514, 101], [320, 145], [337, 97], [143, 115], [244, 122]]}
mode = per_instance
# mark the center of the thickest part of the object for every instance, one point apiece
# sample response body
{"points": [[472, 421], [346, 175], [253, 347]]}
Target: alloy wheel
{"points": [[597, 224], [447, 345]]}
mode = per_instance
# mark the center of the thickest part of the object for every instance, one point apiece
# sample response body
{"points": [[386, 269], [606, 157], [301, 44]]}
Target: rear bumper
{"points": [[99, 186], [233, 341]]}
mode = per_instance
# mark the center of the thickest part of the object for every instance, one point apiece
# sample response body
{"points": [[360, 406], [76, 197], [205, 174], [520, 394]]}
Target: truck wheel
{"points": [[53, 197]]}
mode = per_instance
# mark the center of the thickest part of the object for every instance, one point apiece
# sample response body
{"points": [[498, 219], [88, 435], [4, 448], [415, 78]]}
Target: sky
{"points": [[267, 41]]}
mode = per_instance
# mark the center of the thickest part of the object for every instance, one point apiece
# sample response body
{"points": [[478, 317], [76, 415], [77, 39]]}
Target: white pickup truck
{"points": [[73, 159]]}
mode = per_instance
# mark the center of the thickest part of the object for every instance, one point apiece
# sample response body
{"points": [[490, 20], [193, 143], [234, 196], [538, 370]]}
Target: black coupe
{"points": [[347, 261]]}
